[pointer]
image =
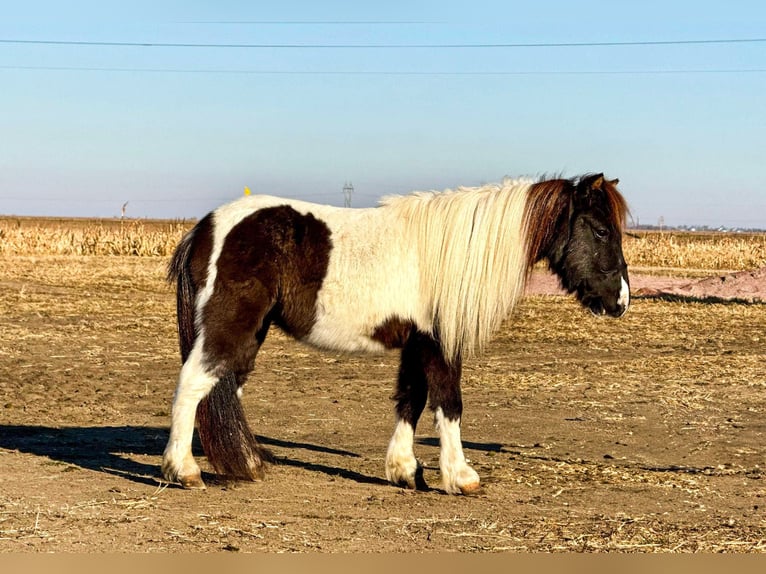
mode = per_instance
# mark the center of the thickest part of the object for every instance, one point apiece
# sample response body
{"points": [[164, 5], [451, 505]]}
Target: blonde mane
{"points": [[472, 257]]}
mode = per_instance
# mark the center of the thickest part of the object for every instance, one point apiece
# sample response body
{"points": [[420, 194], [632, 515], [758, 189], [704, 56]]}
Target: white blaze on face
{"points": [[624, 299]]}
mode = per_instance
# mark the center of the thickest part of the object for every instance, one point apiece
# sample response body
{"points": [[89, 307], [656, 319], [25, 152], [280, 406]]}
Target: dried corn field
{"points": [[696, 251], [38, 236], [671, 250], [643, 434]]}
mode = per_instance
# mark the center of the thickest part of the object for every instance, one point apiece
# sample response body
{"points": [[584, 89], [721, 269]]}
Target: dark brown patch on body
{"points": [[393, 333], [271, 266]]}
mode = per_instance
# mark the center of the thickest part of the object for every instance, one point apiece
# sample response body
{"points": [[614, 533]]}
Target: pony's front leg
{"points": [[457, 476], [194, 382], [402, 468], [447, 404], [425, 372]]}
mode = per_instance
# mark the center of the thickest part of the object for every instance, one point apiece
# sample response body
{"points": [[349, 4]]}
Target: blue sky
{"points": [[176, 131]]}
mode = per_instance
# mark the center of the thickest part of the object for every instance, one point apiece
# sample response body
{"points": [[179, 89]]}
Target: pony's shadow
{"points": [[467, 445], [280, 458], [112, 450]]}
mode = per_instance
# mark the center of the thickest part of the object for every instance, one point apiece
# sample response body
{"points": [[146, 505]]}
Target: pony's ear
{"points": [[584, 193], [597, 183], [615, 181]]}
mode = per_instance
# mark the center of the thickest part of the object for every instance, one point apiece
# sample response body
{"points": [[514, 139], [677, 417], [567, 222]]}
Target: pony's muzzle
{"points": [[609, 305]]}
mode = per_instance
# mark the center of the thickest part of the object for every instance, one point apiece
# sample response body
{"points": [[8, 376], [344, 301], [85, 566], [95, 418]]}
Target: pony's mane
{"points": [[472, 255], [548, 200], [618, 207], [478, 245]]}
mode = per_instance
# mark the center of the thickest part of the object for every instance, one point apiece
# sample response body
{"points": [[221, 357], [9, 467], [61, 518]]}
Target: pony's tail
{"points": [[228, 442], [179, 272], [226, 438]]}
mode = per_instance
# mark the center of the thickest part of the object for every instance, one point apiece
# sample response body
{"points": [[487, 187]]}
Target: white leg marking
{"points": [[401, 464], [624, 298], [457, 476], [194, 383]]}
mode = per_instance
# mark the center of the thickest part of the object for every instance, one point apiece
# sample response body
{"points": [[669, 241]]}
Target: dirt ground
{"points": [[643, 434]]}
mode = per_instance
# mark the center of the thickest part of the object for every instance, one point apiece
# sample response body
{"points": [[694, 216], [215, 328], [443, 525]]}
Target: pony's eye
{"points": [[601, 232]]}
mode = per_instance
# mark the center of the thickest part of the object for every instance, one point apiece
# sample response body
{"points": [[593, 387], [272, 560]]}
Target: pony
{"points": [[433, 274]]}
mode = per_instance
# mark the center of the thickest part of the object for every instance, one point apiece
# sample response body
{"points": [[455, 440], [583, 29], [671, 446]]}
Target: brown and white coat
{"points": [[432, 273]]}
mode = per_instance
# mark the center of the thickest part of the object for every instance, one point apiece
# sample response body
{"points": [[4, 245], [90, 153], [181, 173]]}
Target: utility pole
{"points": [[348, 191]]}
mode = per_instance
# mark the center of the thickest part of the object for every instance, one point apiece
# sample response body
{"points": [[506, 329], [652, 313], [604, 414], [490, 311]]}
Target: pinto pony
{"points": [[433, 274]]}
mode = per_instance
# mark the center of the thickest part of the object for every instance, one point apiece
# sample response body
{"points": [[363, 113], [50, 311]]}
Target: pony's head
{"points": [[584, 245]]}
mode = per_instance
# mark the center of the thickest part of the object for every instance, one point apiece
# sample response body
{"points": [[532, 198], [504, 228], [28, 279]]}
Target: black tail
{"points": [[226, 438], [179, 272]]}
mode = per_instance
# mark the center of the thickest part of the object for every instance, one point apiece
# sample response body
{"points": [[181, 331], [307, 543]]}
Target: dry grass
{"points": [[157, 238], [29, 236], [687, 250], [637, 435]]}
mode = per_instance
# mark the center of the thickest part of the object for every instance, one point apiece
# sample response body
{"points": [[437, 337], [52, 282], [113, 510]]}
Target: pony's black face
{"points": [[590, 263]]}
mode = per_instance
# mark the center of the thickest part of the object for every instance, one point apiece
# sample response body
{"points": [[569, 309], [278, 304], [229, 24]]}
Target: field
{"points": [[643, 434], [673, 251]]}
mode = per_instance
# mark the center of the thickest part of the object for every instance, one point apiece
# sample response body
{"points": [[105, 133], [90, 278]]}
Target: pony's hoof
{"points": [[471, 488], [465, 481], [187, 473], [412, 482], [193, 482]]}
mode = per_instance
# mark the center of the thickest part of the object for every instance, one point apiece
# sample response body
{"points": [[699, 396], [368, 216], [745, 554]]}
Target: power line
{"points": [[385, 72], [313, 22], [386, 46]]}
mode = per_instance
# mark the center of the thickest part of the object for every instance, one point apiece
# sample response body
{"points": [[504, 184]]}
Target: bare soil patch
{"points": [[747, 286], [644, 434]]}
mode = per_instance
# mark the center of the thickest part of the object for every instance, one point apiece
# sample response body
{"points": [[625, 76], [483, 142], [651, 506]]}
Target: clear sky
{"points": [[420, 95]]}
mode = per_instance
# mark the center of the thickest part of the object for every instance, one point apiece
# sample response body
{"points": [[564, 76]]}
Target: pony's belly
{"points": [[332, 337]]}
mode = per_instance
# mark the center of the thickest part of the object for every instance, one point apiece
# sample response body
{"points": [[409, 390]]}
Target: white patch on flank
{"points": [[624, 298], [401, 464], [194, 383], [372, 276], [457, 476]]}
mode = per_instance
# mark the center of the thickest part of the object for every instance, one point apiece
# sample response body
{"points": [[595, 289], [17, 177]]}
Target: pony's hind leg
{"points": [[236, 321], [194, 383], [402, 468], [211, 390]]}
